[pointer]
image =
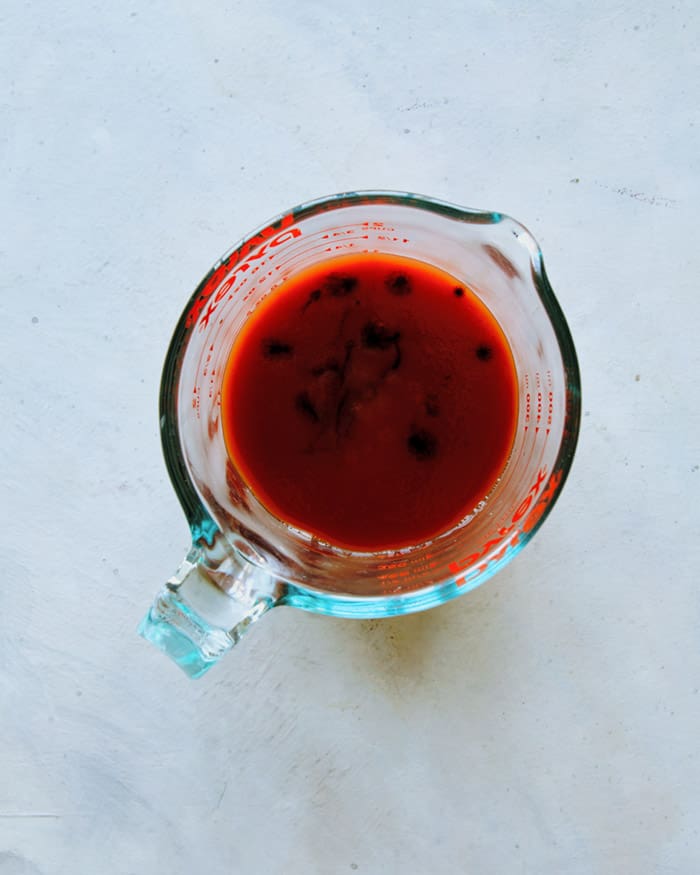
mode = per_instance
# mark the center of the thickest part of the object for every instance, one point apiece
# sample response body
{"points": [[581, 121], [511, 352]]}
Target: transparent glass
{"points": [[244, 560]]}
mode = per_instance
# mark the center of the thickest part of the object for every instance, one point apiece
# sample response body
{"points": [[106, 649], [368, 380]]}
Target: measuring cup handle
{"points": [[195, 622]]}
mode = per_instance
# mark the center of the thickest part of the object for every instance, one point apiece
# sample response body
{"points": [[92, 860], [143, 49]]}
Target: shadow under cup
{"points": [[242, 547]]}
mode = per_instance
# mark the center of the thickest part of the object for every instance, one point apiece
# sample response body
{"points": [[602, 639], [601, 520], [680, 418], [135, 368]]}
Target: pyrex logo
{"points": [[523, 521], [241, 260]]}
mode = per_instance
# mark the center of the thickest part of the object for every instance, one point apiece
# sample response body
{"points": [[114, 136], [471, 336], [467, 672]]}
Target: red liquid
{"points": [[370, 400]]}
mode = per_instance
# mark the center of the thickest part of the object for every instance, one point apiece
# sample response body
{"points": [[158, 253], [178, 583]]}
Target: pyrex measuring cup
{"points": [[244, 560]]}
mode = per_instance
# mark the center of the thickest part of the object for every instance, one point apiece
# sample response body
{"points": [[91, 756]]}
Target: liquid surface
{"points": [[370, 400]]}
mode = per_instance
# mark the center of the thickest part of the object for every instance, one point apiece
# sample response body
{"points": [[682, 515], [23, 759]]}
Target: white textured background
{"points": [[549, 722]]}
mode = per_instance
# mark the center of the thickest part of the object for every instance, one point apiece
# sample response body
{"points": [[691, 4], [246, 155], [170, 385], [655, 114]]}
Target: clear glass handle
{"points": [[206, 607]]}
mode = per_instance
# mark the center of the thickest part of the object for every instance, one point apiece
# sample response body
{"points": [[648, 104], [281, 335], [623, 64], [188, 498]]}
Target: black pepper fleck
{"points": [[422, 444], [375, 335], [313, 297], [398, 284], [339, 285], [274, 348], [306, 407]]}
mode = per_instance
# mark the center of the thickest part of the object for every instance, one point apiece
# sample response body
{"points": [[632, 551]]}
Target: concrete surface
{"points": [[547, 723]]}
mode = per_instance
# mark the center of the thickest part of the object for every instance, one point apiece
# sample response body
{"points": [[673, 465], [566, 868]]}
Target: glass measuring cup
{"points": [[243, 560]]}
